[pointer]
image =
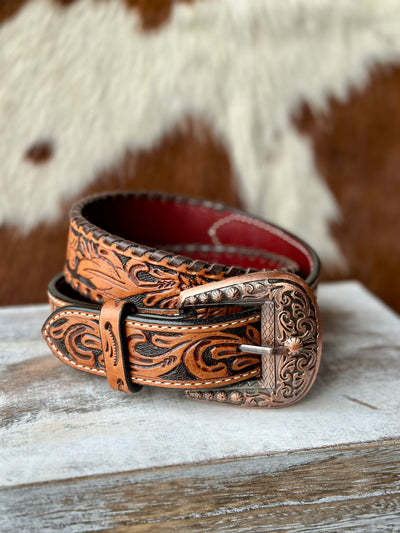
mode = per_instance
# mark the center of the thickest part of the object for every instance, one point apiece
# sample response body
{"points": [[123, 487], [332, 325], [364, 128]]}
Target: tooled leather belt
{"points": [[167, 291]]}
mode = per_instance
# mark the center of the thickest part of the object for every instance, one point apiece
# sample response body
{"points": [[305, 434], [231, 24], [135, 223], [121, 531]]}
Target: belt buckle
{"points": [[290, 331]]}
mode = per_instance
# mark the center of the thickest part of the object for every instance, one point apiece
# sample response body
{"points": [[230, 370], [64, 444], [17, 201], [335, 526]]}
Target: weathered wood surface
{"points": [[76, 456], [331, 489]]}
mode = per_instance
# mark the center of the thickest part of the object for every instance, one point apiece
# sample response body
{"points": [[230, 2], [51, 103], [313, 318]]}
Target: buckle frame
{"points": [[291, 340]]}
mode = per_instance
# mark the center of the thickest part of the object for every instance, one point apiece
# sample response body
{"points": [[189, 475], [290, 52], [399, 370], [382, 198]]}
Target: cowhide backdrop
{"points": [[288, 109]]}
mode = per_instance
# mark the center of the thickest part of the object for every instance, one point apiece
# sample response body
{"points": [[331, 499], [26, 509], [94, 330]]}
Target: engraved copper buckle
{"points": [[290, 349]]}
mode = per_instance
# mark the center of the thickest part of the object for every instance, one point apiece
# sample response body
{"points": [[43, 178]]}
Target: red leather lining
{"points": [[159, 221]]}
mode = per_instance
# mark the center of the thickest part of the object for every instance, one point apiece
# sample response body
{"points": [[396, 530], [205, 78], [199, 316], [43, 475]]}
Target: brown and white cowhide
{"points": [[288, 109]]}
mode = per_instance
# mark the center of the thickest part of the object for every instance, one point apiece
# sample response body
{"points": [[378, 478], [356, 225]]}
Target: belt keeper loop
{"points": [[114, 344]]}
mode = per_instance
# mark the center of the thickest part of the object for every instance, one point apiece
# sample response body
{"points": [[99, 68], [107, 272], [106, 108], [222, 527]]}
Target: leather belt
{"points": [[216, 302]]}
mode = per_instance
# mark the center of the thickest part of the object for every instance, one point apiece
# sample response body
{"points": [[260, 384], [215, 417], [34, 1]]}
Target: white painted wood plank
{"points": [[344, 488], [58, 423]]}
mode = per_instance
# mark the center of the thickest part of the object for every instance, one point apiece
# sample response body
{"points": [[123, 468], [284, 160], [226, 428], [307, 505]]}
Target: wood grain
{"points": [[77, 456], [342, 488]]}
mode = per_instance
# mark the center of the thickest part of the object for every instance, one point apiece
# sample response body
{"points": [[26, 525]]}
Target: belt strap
{"points": [[178, 292]]}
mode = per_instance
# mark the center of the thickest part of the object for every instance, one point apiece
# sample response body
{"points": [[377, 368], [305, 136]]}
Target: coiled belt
{"points": [[166, 291]]}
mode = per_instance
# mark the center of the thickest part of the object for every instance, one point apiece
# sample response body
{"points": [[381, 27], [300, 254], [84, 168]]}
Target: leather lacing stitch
{"points": [[175, 261], [253, 253], [154, 255], [82, 225]]}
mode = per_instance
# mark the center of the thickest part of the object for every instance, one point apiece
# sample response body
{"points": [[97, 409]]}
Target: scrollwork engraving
{"points": [[297, 332], [78, 340]]}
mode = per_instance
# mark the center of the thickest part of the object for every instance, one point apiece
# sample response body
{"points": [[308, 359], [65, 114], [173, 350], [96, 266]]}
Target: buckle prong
{"points": [[258, 350], [267, 378], [290, 341]]}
